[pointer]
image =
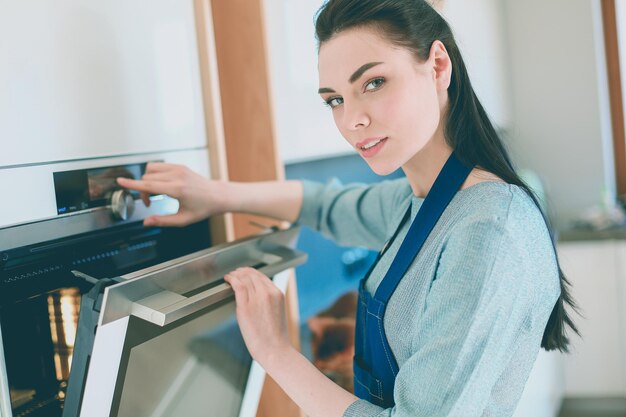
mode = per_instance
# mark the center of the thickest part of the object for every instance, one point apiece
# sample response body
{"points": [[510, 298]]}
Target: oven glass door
{"points": [[165, 349], [198, 366]]}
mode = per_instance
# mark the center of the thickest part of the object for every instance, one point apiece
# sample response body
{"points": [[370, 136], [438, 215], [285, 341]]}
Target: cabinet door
{"points": [[98, 78], [595, 367]]}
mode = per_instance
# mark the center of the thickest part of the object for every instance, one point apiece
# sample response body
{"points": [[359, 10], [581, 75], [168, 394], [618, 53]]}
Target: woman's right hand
{"points": [[198, 196]]}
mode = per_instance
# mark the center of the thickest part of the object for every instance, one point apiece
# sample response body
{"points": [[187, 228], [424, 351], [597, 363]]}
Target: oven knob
{"points": [[122, 204]]}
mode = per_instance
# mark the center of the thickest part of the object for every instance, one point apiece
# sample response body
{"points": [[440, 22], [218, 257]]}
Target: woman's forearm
{"points": [[314, 393], [280, 200]]}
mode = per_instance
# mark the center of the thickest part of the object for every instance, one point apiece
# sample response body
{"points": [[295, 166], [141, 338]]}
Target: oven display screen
{"points": [[102, 182], [88, 188]]}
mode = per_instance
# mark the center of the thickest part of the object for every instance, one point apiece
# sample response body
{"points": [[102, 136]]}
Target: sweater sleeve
{"points": [[483, 306], [355, 214]]}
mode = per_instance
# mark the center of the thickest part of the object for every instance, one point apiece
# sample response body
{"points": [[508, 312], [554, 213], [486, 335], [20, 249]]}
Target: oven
{"points": [[100, 316]]}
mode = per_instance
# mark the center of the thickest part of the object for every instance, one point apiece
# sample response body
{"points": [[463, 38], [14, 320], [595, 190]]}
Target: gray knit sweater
{"points": [[466, 321]]}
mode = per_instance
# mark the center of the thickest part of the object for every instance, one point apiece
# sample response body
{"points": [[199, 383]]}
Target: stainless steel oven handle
{"points": [[185, 306]]}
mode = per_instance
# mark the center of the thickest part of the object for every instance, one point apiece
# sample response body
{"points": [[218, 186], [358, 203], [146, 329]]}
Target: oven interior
{"points": [[40, 301]]}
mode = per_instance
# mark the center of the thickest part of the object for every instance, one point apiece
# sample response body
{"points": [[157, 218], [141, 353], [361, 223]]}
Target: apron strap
{"points": [[443, 190]]}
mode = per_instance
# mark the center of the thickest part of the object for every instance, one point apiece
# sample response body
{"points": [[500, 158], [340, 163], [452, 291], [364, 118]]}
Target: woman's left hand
{"points": [[263, 324], [260, 313]]}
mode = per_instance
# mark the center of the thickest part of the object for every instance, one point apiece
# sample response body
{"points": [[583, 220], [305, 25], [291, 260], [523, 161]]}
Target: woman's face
{"points": [[385, 103]]}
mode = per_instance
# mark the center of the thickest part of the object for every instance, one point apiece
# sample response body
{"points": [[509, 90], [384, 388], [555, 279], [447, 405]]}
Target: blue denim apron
{"points": [[375, 367]]}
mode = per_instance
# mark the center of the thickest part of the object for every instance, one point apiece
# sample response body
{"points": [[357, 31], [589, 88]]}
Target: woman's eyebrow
{"points": [[355, 76]]}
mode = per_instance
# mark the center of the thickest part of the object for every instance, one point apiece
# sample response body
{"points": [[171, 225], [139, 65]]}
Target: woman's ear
{"points": [[441, 65]]}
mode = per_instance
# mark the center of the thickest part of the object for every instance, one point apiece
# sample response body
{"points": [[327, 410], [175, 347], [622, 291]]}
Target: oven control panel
{"points": [[85, 189]]}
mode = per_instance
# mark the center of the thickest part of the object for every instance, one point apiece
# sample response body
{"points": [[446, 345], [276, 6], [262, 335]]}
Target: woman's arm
{"points": [[200, 197], [352, 215], [280, 200], [314, 393], [262, 320]]}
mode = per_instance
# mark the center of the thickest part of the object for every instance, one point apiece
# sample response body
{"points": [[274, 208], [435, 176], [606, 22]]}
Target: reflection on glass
{"points": [[102, 181], [20, 397], [197, 369], [63, 308]]}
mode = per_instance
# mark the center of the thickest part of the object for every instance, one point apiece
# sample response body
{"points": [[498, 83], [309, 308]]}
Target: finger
{"points": [[264, 288], [157, 176], [137, 185], [241, 291], [153, 167], [145, 197], [146, 186], [259, 278], [246, 279], [253, 276], [178, 219], [154, 177]]}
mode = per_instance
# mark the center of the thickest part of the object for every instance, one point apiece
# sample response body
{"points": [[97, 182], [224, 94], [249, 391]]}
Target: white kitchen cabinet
{"points": [[85, 79], [620, 253], [543, 392], [597, 271], [595, 366]]}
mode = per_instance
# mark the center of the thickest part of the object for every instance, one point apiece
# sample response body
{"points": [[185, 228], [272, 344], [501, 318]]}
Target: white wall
{"points": [[304, 127], [479, 28], [561, 125]]}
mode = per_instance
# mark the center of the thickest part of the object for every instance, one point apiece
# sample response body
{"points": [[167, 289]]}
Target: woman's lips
{"points": [[369, 148]]}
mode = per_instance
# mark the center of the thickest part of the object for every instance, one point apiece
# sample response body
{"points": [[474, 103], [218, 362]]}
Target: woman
{"points": [[467, 287]]}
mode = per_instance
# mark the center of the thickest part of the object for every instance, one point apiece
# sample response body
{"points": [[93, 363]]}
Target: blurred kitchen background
{"points": [[548, 72]]}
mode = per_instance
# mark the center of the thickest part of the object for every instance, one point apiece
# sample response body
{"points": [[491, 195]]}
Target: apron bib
{"points": [[375, 367]]}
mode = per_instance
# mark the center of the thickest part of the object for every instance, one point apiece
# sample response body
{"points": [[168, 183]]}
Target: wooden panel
{"points": [[615, 93], [222, 229], [250, 146]]}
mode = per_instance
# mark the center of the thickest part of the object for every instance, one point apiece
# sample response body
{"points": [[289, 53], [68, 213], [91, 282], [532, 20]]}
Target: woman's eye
{"points": [[334, 102], [374, 84]]}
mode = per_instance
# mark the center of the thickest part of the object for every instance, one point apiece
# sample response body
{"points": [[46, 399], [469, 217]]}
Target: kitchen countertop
{"points": [[575, 235]]}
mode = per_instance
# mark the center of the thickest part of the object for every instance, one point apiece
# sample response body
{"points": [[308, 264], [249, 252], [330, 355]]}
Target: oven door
{"points": [[167, 343]]}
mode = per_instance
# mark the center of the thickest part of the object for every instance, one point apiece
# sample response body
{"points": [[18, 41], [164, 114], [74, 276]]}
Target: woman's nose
{"points": [[355, 117]]}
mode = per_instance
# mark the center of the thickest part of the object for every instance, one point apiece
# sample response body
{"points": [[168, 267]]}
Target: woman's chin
{"points": [[382, 169]]}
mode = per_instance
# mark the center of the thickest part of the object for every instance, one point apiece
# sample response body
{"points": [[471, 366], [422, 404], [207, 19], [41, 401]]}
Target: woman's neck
{"points": [[424, 167]]}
